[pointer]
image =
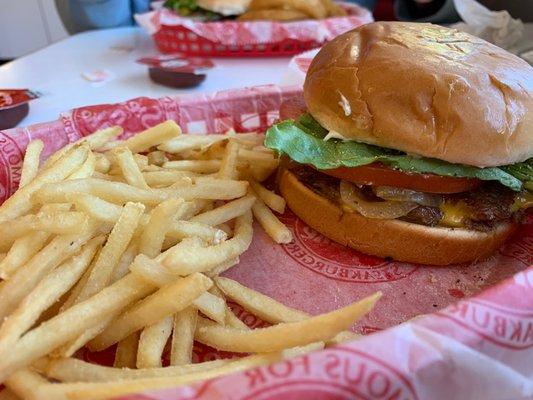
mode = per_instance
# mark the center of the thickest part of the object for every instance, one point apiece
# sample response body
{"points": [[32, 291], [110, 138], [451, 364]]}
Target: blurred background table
{"points": [[56, 72]]}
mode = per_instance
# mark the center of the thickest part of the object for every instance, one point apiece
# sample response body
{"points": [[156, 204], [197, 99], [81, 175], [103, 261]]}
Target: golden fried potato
{"points": [[312, 8], [334, 9], [273, 15]]}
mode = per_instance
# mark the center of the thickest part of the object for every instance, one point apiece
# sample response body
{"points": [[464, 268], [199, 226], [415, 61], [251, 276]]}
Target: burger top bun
{"points": [[225, 7], [426, 90]]}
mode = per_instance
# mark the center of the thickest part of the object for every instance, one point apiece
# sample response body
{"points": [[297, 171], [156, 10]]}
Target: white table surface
{"points": [[56, 72]]}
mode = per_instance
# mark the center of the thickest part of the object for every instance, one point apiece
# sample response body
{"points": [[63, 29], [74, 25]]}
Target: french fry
{"points": [[99, 390], [74, 370], [115, 192], [301, 350], [122, 268], [102, 163], [199, 142], [95, 141], [273, 15], [228, 167], [190, 255], [271, 199], [26, 383], [166, 301], [271, 224], [253, 156], [48, 291], [152, 271], [113, 144], [210, 189], [258, 304], [125, 355], [31, 162], [154, 136], [183, 336], [61, 223], [153, 234], [108, 212], [101, 272], [285, 335], [267, 308], [21, 252], [130, 169], [110, 255], [141, 160], [20, 202], [66, 289], [211, 306], [313, 8], [95, 207], [231, 319], [220, 268], [71, 323], [167, 178], [344, 336], [198, 166], [261, 173], [190, 142], [152, 342], [226, 212], [86, 169], [182, 229], [28, 276], [157, 157]]}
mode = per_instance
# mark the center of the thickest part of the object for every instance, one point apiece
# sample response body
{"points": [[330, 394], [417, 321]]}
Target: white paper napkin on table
{"points": [[497, 27]]}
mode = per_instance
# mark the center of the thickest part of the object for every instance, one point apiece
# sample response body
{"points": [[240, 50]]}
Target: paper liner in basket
{"points": [[239, 33], [477, 341]]}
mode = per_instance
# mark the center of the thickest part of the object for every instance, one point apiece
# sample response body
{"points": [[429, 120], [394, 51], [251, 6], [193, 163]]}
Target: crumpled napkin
{"points": [[497, 27]]}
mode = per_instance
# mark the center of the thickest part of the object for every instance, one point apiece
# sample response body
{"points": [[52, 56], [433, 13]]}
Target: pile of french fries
{"points": [[121, 242], [291, 10]]}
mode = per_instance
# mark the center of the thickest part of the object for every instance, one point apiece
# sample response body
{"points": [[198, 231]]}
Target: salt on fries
{"points": [[103, 245]]}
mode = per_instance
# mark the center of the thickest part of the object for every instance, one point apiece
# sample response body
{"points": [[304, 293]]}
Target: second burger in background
{"points": [[208, 10], [256, 10], [414, 142]]}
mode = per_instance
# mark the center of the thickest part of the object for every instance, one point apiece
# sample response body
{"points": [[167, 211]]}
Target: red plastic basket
{"points": [[172, 39]]}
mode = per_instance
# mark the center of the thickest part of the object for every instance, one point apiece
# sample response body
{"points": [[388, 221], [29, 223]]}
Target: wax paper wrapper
{"points": [[163, 24], [473, 335]]}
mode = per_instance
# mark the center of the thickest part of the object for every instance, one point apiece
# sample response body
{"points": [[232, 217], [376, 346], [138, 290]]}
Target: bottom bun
{"points": [[392, 238]]}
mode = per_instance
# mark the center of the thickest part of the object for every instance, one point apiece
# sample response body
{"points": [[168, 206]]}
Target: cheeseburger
{"points": [[413, 142]]}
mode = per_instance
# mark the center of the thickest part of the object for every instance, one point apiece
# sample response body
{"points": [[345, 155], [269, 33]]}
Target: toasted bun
{"points": [[427, 90], [397, 239], [225, 7]]}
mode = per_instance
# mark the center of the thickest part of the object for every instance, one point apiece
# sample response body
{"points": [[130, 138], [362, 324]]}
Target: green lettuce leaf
{"points": [[187, 8], [522, 171], [303, 142]]}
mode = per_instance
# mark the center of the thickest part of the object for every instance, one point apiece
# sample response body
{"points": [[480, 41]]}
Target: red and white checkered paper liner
{"points": [[241, 33], [475, 343]]}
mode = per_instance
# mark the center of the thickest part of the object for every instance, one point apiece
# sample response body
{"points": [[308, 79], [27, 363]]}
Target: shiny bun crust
{"points": [[397, 239], [426, 90]]}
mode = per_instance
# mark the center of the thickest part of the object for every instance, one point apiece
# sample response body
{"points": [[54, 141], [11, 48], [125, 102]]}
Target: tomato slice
{"points": [[378, 174]]}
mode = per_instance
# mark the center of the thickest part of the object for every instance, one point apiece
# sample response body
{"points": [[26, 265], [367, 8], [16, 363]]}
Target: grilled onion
{"points": [[400, 194], [352, 197]]}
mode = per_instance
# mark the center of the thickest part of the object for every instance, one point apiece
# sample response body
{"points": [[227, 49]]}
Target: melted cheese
{"points": [[453, 214]]}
